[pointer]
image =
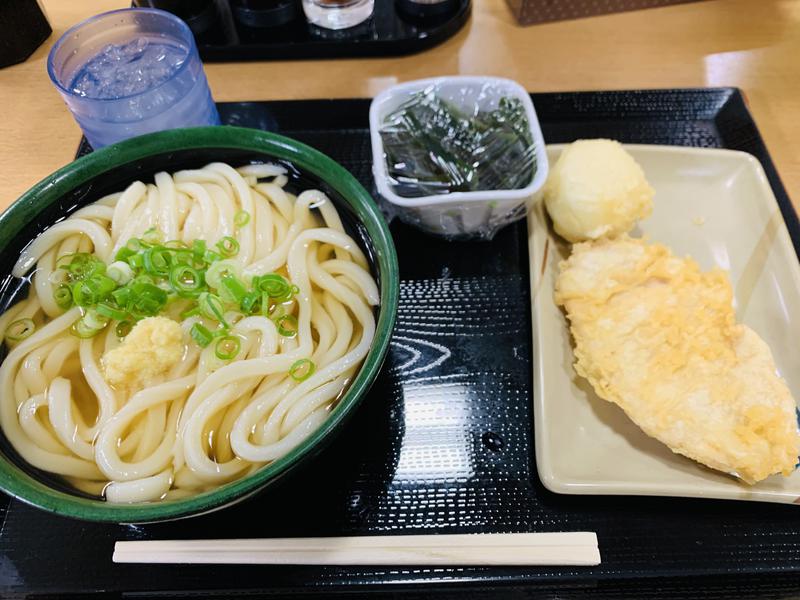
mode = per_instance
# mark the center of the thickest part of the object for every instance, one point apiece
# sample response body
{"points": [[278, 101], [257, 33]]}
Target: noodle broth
{"points": [[14, 289]]}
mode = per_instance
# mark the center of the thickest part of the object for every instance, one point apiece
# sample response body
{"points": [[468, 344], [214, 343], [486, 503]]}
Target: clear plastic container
{"points": [[166, 99], [338, 14], [460, 214]]}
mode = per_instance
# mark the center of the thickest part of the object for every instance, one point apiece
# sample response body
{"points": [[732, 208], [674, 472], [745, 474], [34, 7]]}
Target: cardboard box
{"points": [[529, 12]]}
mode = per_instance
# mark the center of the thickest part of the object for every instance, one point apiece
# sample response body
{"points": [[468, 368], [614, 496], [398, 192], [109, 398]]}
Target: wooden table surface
{"points": [[751, 44]]}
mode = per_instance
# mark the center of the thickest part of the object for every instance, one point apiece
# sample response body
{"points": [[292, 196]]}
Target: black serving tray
{"points": [[224, 33], [444, 442]]}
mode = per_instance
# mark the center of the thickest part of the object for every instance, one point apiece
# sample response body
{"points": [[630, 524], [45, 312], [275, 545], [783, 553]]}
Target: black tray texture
{"points": [[444, 441], [225, 31]]}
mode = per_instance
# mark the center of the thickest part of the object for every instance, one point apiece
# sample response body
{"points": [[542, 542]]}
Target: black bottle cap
{"points": [[423, 9], [264, 14]]}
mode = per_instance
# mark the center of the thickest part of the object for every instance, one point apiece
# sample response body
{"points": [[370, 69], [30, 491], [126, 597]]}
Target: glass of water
{"points": [[131, 71], [338, 14]]}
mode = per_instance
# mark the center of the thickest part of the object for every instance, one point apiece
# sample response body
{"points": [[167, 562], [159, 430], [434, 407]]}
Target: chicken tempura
{"points": [[658, 337]]}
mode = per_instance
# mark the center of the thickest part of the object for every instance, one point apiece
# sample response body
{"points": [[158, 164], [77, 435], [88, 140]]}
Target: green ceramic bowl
{"points": [[111, 169]]}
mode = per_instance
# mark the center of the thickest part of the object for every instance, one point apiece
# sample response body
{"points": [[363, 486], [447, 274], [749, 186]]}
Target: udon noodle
{"points": [[261, 359]]}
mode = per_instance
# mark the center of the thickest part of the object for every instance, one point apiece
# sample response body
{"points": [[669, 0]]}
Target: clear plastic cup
{"points": [[338, 14], [132, 71]]}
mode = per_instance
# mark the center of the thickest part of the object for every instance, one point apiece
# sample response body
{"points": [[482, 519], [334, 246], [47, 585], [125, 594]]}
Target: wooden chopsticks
{"points": [[512, 549]]}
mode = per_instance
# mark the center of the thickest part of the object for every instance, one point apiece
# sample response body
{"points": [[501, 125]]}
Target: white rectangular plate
{"points": [[716, 206]]}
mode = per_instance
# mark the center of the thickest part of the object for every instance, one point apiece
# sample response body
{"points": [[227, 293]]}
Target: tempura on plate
{"points": [[596, 189], [658, 337]]}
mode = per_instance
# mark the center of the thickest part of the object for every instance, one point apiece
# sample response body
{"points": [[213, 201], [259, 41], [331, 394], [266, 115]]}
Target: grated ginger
{"points": [[152, 348]]}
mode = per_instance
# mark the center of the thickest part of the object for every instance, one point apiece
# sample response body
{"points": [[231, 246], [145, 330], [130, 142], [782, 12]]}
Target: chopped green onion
{"points": [[121, 295], [190, 312], [91, 291], [136, 261], [275, 286], [287, 325], [210, 256], [104, 284], [228, 246], [183, 257], [81, 266], [94, 320], [107, 310], [63, 296], [241, 218], [148, 274], [20, 329], [156, 261], [188, 282], [82, 330], [211, 306], [232, 289], [227, 347], [278, 310], [120, 272], [58, 276], [144, 278], [199, 248], [233, 317], [201, 335], [62, 262], [145, 307], [302, 369], [145, 299], [124, 253], [249, 303], [266, 309], [220, 269], [152, 236]]}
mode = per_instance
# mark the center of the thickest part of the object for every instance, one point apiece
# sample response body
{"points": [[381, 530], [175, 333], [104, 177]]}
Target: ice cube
{"points": [[121, 70]]}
